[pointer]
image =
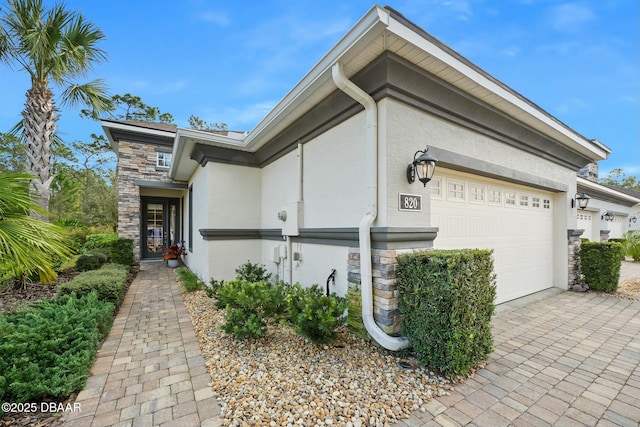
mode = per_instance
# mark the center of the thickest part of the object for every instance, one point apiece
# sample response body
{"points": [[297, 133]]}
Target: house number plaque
{"points": [[410, 202]]}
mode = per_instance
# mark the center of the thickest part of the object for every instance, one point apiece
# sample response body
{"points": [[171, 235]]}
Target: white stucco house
{"points": [[612, 211], [320, 183]]}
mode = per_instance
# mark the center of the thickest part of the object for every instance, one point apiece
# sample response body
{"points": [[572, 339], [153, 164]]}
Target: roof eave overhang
{"points": [[358, 47], [117, 130], [594, 189]]}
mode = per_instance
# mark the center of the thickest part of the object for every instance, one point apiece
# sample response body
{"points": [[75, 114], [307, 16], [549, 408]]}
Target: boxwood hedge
{"points": [[600, 263], [446, 301]]}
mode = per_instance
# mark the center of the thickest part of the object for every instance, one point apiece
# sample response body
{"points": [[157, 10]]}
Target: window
{"points": [[495, 196], [476, 193], [436, 188], [455, 191], [546, 204], [524, 200], [163, 159], [510, 199], [535, 202]]}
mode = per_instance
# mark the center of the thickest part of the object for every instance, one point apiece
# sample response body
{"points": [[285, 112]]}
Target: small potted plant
{"points": [[173, 255]]}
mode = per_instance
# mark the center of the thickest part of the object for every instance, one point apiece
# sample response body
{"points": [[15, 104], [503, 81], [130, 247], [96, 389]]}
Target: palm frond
{"points": [[27, 244], [92, 94]]}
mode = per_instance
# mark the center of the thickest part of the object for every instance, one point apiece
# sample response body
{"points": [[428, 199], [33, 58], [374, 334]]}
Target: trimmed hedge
{"points": [[122, 252], [109, 283], [91, 261], [101, 240], [46, 352], [600, 262], [446, 301]]}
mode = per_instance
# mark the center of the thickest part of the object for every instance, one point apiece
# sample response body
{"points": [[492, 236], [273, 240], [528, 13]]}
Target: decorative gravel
{"points": [[283, 379]]}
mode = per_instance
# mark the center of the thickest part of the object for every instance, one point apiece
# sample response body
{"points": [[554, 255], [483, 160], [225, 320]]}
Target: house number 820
{"points": [[410, 202]]}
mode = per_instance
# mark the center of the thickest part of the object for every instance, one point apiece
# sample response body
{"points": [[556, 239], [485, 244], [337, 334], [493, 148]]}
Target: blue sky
{"points": [[232, 61]]}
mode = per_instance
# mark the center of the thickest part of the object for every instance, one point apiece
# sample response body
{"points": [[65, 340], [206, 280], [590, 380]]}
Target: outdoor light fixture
{"points": [[423, 166], [582, 199], [608, 216], [633, 219]]}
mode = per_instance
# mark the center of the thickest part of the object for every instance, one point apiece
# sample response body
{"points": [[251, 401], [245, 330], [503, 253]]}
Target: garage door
{"points": [[515, 221], [615, 227], [585, 222]]}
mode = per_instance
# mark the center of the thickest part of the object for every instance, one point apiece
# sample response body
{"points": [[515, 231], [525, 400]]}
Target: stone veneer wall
{"points": [[575, 271], [136, 161], [604, 235], [386, 311]]}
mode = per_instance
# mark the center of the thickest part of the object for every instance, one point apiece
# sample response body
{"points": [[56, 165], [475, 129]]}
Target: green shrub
{"points": [[102, 240], [189, 281], [632, 244], [90, 261], [314, 314], [600, 263], [213, 288], [122, 252], [46, 352], [249, 305], [109, 283], [446, 301], [104, 253], [617, 240], [243, 323], [250, 272]]}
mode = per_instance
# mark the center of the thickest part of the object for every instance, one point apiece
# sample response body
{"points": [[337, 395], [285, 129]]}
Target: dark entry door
{"points": [[160, 228]]}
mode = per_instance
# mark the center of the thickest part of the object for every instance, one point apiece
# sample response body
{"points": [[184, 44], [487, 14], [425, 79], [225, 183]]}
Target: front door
{"points": [[160, 228]]}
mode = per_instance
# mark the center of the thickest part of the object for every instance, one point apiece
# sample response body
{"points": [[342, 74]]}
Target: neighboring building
{"points": [[612, 211], [322, 179]]}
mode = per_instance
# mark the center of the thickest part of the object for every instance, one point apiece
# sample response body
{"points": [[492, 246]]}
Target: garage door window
{"points": [[510, 199], [524, 200], [546, 203], [436, 188], [476, 193], [455, 191], [495, 196], [535, 202]]}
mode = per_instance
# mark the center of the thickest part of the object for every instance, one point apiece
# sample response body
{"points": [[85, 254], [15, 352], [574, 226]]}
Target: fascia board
{"points": [[372, 24], [182, 167], [136, 129], [108, 125], [586, 184], [481, 78]]}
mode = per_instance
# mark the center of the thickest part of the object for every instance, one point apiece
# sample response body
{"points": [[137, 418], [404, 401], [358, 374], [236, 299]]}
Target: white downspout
{"points": [[300, 199], [371, 197]]}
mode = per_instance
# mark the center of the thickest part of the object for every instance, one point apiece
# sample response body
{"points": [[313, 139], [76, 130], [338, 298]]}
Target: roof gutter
{"points": [[371, 197]]}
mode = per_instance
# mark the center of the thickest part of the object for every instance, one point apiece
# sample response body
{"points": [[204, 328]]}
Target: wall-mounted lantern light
{"points": [[423, 166], [608, 216], [633, 219], [582, 199]]}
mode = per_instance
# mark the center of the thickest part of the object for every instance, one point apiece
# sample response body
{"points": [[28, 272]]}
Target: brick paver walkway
{"points": [[150, 370], [561, 359]]}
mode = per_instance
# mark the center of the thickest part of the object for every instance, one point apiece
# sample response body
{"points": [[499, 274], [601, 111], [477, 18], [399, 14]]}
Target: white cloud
{"points": [[570, 16], [461, 8], [156, 87], [216, 17], [570, 106]]}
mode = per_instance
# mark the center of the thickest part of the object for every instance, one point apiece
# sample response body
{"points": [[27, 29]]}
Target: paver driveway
{"points": [[567, 359]]}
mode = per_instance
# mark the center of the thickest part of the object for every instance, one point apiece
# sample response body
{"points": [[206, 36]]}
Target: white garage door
{"points": [[515, 221], [616, 227], [585, 222]]}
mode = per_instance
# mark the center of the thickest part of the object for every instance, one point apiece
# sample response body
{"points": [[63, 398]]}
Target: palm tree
{"points": [[54, 46], [28, 245]]}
